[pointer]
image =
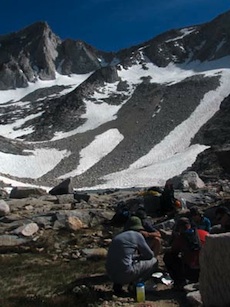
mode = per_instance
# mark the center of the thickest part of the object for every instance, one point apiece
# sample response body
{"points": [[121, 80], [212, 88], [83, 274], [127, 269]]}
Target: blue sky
{"points": [[109, 25]]}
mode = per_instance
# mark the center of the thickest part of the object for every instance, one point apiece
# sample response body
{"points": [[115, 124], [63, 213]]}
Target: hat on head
{"points": [[183, 222], [194, 210], [134, 223]]}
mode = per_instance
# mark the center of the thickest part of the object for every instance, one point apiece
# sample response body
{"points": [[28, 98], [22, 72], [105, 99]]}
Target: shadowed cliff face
{"points": [[217, 130], [214, 162]]}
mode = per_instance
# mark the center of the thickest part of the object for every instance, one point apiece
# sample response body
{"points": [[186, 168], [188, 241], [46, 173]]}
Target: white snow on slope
{"points": [[152, 175], [169, 158], [185, 32], [13, 131], [173, 154], [17, 94], [94, 152], [96, 115], [179, 139], [15, 183], [101, 112], [172, 73], [33, 165]]}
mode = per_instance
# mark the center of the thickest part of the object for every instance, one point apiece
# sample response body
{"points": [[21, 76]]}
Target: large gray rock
{"points": [[11, 240], [24, 192], [65, 187], [27, 230], [95, 253], [215, 271], [74, 223], [4, 208], [187, 181]]}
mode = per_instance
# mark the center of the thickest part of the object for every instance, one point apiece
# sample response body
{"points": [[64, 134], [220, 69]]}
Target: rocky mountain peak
{"points": [[37, 28], [77, 57], [203, 42], [36, 52], [26, 55], [212, 39]]}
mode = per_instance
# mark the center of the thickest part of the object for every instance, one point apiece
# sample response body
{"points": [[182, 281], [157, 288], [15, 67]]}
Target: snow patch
{"points": [[34, 165], [97, 150]]}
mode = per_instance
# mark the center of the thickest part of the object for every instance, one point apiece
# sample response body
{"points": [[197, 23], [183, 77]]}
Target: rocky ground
{"points": [[53, 247]]}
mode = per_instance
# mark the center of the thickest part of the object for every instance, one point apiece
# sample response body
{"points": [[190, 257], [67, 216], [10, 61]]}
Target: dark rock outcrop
{"points": [[214, 162], [77, 57], [65, 187], [24, 192]]}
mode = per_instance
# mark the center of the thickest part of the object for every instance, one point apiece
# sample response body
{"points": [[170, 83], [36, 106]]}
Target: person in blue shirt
{"points": [[199, 220]]}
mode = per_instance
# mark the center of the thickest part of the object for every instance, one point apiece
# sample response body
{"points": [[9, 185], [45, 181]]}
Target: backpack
{"points": [[121, 216]]}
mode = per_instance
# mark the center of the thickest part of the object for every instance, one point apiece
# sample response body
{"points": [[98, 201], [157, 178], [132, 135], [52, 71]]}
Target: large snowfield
{"points": [[168, 158]]}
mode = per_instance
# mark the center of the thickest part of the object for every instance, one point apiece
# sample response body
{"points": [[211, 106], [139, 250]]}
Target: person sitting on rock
{"points": [[151, 234], [182, 260], [199, 220], [222, 215], [130, 260]]}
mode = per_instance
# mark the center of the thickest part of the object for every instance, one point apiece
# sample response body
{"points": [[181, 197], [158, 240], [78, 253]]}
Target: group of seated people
{"points": [[132, 255]]}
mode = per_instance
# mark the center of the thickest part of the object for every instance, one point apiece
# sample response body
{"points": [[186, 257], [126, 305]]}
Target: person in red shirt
{"points": [[182, 260]]}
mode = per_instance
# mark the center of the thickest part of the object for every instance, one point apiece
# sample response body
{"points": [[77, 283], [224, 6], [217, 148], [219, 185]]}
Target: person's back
{"points": [[189, 243], [126, 247], [129, 258]]}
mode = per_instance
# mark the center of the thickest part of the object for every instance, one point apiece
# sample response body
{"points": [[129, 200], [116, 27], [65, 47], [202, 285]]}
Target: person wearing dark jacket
{"points": [[130, 260], [167, 198], [182, 261]]}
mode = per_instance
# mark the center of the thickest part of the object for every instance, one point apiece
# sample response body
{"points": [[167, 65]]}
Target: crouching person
{"points": [[130, 260], [182, 261]]}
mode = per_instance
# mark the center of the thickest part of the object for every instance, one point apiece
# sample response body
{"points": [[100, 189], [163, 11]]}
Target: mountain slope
{"points": [[110, 120]]}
